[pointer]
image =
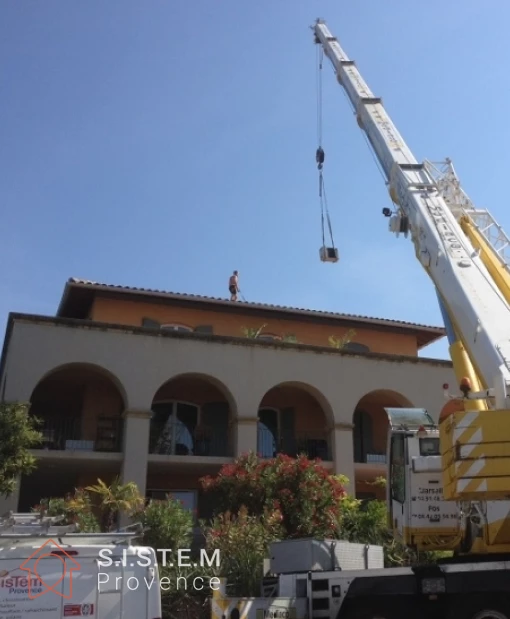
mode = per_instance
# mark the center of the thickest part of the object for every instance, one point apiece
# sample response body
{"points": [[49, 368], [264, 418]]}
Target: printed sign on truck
{"points": [[276, 613], [78, 610], [25, 583]]}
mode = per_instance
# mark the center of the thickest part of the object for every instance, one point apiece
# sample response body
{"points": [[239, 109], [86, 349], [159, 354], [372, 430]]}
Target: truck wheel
{"points": [[490, 614], [487, 610]]}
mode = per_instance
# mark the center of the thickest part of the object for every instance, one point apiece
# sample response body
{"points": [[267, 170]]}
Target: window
{"points": [[275, 432], [149, 323], [181, 328], [172, 428], [397, 470], [429, 447], [355, 347], [184, 428], [268, 432], [205, 329], [188, 498], [362, 435]]}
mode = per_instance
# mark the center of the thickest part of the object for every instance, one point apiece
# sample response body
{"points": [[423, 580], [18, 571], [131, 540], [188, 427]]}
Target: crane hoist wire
{"points": [[320, 156]]}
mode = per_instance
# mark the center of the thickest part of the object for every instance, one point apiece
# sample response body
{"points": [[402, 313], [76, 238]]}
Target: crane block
{"points": [[329, 254]]}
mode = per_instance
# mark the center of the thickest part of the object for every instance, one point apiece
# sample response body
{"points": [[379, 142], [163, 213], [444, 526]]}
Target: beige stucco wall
{"points": [[245, 372]]}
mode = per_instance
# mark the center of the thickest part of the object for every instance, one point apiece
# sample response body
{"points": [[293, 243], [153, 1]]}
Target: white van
{"points": [[52, 572]]}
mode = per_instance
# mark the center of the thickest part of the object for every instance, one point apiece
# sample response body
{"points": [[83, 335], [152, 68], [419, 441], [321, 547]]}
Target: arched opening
{"points": [[191, 417], [54, 479], [370, 434], [191, 427], [81, 408], [293, 419]]}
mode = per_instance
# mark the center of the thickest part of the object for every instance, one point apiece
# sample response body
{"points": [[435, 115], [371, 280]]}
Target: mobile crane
{"points": [[448, 482], [462, 249], [471, 448]]}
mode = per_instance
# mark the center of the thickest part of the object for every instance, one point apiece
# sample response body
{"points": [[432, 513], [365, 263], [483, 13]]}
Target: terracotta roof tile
{"points": [[263, 306]]}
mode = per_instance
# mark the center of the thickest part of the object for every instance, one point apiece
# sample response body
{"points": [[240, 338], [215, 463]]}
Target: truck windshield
{"points": [[429, 447]]}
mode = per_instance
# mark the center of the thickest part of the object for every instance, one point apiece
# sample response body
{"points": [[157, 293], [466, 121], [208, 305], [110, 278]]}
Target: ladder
{"points": [[22, 529], [33, 524], [460, 204], [269, 587]]}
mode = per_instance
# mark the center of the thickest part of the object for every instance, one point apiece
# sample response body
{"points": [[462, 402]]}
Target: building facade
{"points": [[162, 388]]}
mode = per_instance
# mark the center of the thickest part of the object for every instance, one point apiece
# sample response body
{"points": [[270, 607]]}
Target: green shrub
{"points": [[167, 524], [302, 490], [243, 542]]}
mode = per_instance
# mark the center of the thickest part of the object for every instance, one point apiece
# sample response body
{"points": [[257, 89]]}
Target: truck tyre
{"points": [[490, 613], [482, 610]]}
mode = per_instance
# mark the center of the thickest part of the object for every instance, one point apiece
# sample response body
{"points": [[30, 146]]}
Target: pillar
{"points": [[137, 425], [343, 452], [245, 435]]}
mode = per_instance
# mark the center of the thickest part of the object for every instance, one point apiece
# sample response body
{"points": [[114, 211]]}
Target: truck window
{"points": [[397, 468], [429, 447]]}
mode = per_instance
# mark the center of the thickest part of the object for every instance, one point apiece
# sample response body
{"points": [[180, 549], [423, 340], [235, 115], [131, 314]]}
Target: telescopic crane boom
{"points": [[473, 302], [472, 282]]}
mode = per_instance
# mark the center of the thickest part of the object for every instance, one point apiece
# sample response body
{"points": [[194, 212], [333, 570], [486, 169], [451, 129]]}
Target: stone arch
{"points": [[371, 424], [370, 434], [192, 414], [85, 368], [294, 417], [80, 406]]}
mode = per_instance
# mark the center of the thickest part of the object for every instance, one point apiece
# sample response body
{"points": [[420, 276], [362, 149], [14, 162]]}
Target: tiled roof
{"points": [[439, 331]]}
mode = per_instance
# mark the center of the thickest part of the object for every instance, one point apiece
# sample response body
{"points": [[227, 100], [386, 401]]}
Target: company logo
{"points": [[78, 610], [35, 564]]}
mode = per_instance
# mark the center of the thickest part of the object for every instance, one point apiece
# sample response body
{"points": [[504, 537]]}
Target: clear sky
{"points": [[163, 144]]}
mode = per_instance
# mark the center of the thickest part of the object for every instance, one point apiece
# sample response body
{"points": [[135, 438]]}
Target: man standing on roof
{"points": [[233, 285]]}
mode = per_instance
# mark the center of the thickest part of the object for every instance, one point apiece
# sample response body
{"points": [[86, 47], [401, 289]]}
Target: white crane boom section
{"points": [[478, 310]]}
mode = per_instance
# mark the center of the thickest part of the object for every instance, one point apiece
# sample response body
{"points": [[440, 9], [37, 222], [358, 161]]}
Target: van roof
{"points": [[74, 539], [24, 529]]}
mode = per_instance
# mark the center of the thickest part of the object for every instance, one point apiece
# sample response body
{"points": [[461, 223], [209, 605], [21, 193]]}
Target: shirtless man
{"points": [[233, 286]]}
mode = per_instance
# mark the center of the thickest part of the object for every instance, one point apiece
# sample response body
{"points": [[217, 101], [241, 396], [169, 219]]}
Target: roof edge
{"points": [[5, 347], [65, 295], [435, 331]]}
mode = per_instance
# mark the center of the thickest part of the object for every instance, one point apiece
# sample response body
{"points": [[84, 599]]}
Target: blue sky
{"points": [[163, 144]]}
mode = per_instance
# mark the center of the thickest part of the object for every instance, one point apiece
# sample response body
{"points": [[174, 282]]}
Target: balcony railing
{"points": [[371, 458], [178, 439], [311, 445], [67, 435], [376, 458]]}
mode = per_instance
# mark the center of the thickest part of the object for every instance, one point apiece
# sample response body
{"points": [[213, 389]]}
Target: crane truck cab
{"points": [[52, 572], [418, 514]]}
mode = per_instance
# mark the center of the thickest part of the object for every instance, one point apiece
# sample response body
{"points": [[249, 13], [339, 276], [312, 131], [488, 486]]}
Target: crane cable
{"points": [[319, 156]]}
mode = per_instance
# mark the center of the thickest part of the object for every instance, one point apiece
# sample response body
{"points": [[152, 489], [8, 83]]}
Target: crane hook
{"points": [[319, 158]]}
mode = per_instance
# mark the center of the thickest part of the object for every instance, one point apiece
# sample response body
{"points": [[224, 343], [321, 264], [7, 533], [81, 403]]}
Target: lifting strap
{"points": [[320, 155], [324, 211]]}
